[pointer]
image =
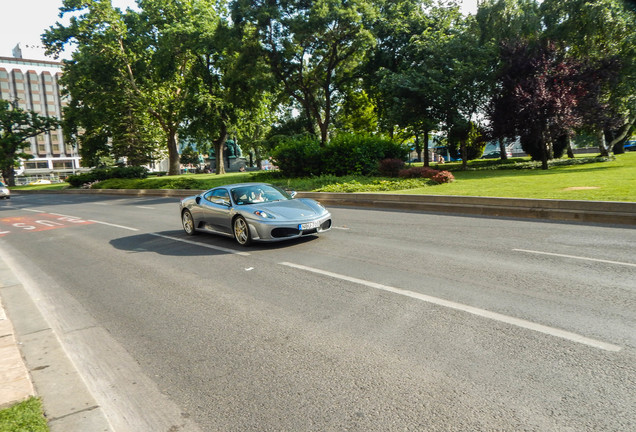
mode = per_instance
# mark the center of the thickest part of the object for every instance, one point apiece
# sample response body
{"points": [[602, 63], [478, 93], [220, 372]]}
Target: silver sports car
{"points": [[253, 212]]}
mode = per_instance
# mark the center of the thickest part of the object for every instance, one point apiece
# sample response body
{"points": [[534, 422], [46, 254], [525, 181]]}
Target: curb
{"points": [[601, 212]]}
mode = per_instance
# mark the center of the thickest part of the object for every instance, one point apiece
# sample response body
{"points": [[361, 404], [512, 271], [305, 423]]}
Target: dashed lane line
{"points": [[574, 337], [575, 257], [219, 248]]}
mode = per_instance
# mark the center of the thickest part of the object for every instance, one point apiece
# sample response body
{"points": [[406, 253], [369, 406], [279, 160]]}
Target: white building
{"points": [[35, 85]]}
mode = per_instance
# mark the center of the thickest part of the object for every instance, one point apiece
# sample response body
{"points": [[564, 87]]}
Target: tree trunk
{"points": [[546, 149], [219, 150], [173, 154], [502, 149], [602, 144], [426, 155], [324, 133], [622, 132], [418, 147], [258, 157], [464, 151], [569, 147], [8, 175]]}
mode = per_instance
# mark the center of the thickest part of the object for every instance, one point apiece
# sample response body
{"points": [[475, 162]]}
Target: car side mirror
{"points": [[198, 199], [292, 193]]}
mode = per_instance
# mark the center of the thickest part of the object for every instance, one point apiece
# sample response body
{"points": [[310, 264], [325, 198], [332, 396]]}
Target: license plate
{"points": [[308, 225]]}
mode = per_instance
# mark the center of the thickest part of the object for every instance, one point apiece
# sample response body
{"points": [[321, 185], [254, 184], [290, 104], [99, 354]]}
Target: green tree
{"points": [[226, 81], [16, 127], [143, 70], [599, 33], [189, 156], [500, 23], [433, 76], [313, 49]]}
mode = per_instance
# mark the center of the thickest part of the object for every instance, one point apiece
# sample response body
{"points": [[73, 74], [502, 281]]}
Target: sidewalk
{"points": [[15, 381], [33, 363]]}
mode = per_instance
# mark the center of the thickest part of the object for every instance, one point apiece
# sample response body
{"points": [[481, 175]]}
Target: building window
{"points": [[64, 164], [36, 165]]}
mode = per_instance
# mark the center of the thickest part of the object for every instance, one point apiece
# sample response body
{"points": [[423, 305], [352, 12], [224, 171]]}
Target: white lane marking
{"points": [[575, 257], [145, 207], [341, 228], [114, 225], [219, 248], [88, 220], [465, 308]]}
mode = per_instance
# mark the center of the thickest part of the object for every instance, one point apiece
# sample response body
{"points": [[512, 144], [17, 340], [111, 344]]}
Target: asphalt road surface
{"points": [[392, 321]]}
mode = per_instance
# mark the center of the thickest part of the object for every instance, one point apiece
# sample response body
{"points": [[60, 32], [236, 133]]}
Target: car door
{"points": [[216, 208]]}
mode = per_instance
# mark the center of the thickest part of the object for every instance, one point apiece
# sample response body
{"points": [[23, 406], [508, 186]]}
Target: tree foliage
{"points": [[268, 69], [313, 49], [16, 127]]}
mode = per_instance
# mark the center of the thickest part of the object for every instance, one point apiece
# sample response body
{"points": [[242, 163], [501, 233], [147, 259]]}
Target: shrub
{"points": [[390, 167], [443, 177], [346, 154], [298, 156], [418, 172], [100, 174], [353, 154]]}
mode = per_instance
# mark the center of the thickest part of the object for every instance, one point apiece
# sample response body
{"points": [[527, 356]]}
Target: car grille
{"points": [[284, 232]]}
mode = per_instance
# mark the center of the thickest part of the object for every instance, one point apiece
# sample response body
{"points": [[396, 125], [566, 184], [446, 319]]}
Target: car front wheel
{"points": [[188, 222], [242, 231]]}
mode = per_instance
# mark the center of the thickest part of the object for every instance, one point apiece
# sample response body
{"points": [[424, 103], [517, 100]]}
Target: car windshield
{"points": [[253, 194]]}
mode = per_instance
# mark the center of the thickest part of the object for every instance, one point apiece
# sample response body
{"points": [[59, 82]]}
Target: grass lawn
{"points": [[601, 181], [613, 180], [26, 416]]}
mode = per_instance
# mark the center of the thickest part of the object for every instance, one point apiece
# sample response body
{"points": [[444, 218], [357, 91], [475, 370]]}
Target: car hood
{"points": [[295, 209]]}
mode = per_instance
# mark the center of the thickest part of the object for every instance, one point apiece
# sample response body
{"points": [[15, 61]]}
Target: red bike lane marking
{"points": [[39, 222]]}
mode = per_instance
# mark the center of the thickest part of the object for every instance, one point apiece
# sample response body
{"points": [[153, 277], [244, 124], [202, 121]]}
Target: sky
{"points": [[23, 21]]}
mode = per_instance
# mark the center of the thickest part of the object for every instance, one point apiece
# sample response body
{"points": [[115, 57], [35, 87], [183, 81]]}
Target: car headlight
{"points": [[264, 215]]}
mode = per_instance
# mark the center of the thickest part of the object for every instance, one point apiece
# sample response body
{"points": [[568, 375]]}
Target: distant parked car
{"points": [[5, 193], [630, 146], [40, 182], [495, 155]]}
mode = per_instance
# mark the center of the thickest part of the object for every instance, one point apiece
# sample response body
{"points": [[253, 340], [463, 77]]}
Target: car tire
{"points": [[241, 231], [188, 223]]}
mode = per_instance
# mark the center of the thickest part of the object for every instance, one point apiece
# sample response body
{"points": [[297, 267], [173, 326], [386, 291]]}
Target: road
{"points": [[392, 321]]}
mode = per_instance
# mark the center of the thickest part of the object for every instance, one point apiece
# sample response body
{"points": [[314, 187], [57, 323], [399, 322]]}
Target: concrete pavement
{"points": [[33, 363]]}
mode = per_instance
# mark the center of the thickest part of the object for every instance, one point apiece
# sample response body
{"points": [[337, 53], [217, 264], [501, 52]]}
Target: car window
{"points": [[218, 196], [259, 193]]}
